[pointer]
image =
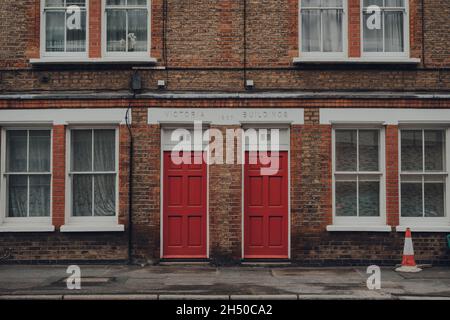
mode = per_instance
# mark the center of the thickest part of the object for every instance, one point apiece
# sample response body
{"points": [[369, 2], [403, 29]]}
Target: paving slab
{"points": [[119, 281]]}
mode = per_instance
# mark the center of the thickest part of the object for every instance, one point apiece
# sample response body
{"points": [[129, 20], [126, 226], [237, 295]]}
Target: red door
{"points": [[266, 209], [184, 211]]}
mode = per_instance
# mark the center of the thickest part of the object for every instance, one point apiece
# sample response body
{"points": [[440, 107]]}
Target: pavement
{"points": [[202, 282]]}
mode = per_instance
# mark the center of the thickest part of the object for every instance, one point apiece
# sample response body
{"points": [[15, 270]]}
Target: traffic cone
{"points": [[408, 262]]}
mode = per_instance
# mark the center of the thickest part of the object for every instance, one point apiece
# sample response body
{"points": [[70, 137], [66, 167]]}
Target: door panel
{"points": [[184, 208], [266, 209]]}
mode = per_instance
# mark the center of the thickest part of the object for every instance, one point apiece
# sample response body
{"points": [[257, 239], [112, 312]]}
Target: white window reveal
{"points": [[93, 175], [127, 27], [358, 172], [26, 180], [424, 177], [384, 27], [64, 27], [322, 27]]}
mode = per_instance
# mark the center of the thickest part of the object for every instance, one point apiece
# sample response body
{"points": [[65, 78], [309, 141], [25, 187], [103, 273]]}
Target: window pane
{"points": [[411, 153], [393, 22], [55, 25], [394, 3], [332, 30], [331, 3], [434, 200], [54, 3], [105, 195], [137, 30], [310, 30], [345, 150], [17, 196], [373, 38], [367, 3], [104, 150], [411, 194], [368, 150], [39, 196], [311, 3], [39, 151], [115, 2], [346, 198], [80, 3], [369, 198], [137, 2], [116, 30], [434, 150], [82, 195], [16, 151], [81, 150], [76, 38]]}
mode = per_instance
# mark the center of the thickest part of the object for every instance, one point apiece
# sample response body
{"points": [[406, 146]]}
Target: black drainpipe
{"points": [[135, 87]]}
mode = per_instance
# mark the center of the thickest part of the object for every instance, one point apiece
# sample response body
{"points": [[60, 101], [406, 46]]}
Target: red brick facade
{"points": [[199, 47]]}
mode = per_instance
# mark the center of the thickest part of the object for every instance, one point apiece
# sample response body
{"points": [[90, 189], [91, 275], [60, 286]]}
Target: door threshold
{"points": [[171, 262], [266, 262]]}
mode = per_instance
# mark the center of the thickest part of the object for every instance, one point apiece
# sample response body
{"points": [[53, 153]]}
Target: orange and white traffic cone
{"points": [[408, 262]]}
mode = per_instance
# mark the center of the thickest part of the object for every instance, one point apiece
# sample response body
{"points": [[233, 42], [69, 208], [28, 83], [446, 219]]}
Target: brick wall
{"points": [[205, 50]]}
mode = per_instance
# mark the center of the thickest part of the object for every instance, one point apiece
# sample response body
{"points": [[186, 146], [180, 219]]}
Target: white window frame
{"points": [[90, 223], [417, 223], [126, 55], [387, 55], [363, 223], [321, 54], [23, 224], [70, 55]]}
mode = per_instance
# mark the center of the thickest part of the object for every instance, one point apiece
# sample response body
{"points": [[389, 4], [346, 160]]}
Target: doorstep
{"points": [[186, 262], [266, 262]]}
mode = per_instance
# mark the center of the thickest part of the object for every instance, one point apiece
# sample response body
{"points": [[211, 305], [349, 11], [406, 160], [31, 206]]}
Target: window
{"points": [[358, 184], [26, 178], [64, 27], [127, 26], [391, 36], [322, 26], [423, 176], [93, 173]]}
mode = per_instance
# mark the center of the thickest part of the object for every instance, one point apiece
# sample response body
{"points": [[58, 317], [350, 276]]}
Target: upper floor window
{"points": [[127, 26], [322, 26], [423, 176], [358, 176], [384, 26], [64, 26]]}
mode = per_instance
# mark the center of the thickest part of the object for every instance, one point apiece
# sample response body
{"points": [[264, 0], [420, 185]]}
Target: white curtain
{"points": [[94, 191], [393, 22], [59, 38], [332, 30], [28, 195], [17, 199], [116, 32], [55, 27], [119, 39], [322, 28]]}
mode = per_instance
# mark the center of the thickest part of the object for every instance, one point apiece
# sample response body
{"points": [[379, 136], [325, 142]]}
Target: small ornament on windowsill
{"points": [[131, 41]]}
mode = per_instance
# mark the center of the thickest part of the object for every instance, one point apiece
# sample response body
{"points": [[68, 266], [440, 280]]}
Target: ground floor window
{"points": [[423, 178], [358, 176], [93, 172], [26, 175]]}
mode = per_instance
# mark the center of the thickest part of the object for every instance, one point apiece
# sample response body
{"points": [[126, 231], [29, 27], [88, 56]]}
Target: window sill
{"points": [[68, 60], [338, 228], [365, 60], [15, 227], [423, 228], [92, 228]]}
